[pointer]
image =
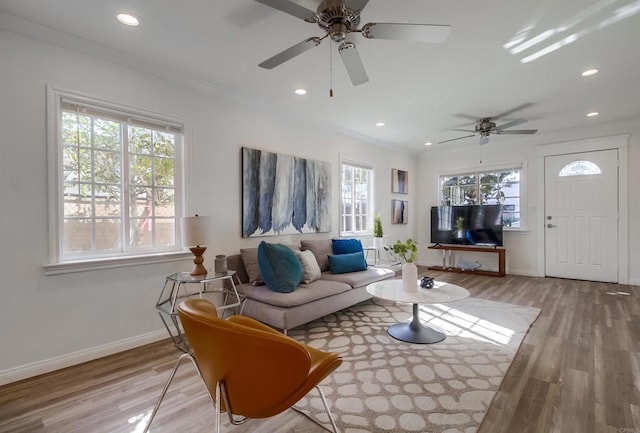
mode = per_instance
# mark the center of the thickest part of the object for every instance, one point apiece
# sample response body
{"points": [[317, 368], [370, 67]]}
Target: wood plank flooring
{"points": [[578, 370]]}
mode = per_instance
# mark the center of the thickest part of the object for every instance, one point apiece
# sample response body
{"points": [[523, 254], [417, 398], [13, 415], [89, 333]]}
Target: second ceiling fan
{"points": [[338, 18]]}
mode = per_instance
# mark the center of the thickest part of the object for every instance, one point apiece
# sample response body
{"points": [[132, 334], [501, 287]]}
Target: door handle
{"points": [[550, 226]]}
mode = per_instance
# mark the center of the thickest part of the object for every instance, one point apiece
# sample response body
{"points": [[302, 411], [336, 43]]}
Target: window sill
{"points": [[113, 262]]}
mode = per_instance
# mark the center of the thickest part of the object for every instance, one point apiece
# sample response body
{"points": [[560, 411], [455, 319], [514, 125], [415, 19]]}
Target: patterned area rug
{"points": [[385, 385]]}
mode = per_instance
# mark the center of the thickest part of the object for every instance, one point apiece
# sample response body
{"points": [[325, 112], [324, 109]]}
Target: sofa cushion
{"points": [[360, 278], [321, 248], [316, 290], [310, 267], [343, 263], [280, 268], [250, 260], [346, 246]]}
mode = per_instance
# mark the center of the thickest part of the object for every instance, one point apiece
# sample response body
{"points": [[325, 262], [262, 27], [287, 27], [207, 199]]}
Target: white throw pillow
{"points": [[310, 266]]}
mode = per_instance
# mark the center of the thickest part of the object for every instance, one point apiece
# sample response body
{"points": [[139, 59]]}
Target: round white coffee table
{"points": [[414, 331]]}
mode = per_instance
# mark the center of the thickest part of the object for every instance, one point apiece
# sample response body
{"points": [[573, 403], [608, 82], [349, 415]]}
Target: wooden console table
{"points": [[448, 266]]}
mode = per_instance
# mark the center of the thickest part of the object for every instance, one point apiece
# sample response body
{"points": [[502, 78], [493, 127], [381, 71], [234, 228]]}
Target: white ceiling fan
{"points": [[338, 18], [485, 126]]}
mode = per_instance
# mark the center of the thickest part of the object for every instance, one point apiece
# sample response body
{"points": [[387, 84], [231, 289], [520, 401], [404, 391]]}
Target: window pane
{"points": [[78, 235], [140, 202], [579, 168], [107, 234], [469, 179], [139, 140], [77, 200], [106, 134], [107, 201], [141, 234], [107, 167], [163, 144], [163, 171], [165, 231], [165, 202], [140, 170]]}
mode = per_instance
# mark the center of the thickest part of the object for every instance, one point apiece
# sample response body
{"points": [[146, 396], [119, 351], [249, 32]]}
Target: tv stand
{"points": [[447, 260]]}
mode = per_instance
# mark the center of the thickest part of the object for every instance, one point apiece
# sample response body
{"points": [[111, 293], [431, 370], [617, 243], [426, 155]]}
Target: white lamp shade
{"points": [[196, 230]]}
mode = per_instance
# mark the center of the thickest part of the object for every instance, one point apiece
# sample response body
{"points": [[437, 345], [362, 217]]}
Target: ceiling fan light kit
{"points": [[339, 18]]}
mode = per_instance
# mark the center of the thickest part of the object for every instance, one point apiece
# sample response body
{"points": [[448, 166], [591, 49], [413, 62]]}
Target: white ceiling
{"points": [[415, 88]]}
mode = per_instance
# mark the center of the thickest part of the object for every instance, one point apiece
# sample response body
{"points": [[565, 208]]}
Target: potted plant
{"points": [[377, 232], [459, 226], [407, 251]]}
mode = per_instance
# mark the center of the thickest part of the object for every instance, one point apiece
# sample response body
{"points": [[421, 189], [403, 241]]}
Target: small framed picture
{"points": [[399, 181], [399, 211]]}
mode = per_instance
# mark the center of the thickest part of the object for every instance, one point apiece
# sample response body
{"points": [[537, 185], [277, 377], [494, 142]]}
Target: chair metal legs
{"points": [[326, 408], [166, 387]]}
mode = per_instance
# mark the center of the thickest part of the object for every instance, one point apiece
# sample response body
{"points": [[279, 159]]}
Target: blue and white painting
{"points": [[282, 194]]}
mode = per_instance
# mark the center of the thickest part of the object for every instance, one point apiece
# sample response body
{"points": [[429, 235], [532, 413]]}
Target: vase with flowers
{"points": [[407, 251]]}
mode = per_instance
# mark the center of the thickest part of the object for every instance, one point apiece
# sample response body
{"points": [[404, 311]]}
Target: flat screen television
{"points": [[467, 225]]}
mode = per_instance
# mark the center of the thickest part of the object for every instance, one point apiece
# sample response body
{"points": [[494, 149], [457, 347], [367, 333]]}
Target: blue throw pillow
{"points": [[343, 263], [346, 246], [280, 268]]}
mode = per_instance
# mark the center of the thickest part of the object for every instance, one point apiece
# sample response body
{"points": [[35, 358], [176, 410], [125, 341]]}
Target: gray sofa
{"points": [[330, 293]]}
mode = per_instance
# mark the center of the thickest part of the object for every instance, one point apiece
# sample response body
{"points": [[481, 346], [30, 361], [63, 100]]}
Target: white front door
{"points": [[581, 216]]}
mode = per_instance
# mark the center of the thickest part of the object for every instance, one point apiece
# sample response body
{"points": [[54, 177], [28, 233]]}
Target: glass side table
{"points": [[177, 288]]}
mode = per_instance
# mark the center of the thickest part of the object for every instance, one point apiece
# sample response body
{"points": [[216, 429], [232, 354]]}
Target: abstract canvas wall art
{"points": [[283, 194], [399, 181], [399, 212]]}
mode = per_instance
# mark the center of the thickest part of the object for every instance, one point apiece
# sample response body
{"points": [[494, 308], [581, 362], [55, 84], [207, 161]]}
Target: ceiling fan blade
{"points": [[454, 139], [433, 33], [463, 130], [511, 124], [484, 140], [513, 110], [290, 53], [356, 5], [291, 8], [353, 63], [517, 131]]}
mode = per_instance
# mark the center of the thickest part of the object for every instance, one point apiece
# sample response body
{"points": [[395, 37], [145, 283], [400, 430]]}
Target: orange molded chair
{"points": [[249, 369]]}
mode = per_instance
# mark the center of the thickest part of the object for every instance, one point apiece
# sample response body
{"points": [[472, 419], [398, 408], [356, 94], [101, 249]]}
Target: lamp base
{"points": [[198, 268]]}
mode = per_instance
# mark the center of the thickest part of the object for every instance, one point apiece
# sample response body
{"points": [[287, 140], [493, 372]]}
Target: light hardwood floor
{"points": [[578, 370]]}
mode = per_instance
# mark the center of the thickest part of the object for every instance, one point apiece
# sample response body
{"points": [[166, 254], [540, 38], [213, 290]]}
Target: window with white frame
{"points": [[118, 186], [356, 198], [502, 186]]}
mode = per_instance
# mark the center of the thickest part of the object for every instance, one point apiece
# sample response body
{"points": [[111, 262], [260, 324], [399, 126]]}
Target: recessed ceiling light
{"points": [[300, 91], [428, 143], [380, 124], [127, 19], [589, 72], [592, 114]]}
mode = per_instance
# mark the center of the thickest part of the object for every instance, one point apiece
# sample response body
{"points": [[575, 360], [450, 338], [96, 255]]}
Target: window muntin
{"points": [[485, 187], [118, 184], [579, 168], [356, 199]]}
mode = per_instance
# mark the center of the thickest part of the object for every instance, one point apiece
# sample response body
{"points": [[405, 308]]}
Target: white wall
{"points": [[52, 321], [522, 251]]}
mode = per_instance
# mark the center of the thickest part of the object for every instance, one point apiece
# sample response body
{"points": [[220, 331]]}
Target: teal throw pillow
{"points": [[343, 263], [346, 246], [280, 268]]}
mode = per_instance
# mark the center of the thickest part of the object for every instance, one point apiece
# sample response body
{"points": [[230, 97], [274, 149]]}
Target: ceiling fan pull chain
{"points": [[330, 70]]}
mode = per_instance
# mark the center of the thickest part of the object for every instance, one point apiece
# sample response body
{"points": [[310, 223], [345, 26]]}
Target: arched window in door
{"points": [[580, 168]]}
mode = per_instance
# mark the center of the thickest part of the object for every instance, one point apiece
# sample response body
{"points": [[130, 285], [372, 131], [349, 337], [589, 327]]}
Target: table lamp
{"points": [[195, 236]]}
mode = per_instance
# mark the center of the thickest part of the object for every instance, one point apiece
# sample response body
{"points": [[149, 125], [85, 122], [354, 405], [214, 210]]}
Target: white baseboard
{"points": [[634, 281], [52, 364]]}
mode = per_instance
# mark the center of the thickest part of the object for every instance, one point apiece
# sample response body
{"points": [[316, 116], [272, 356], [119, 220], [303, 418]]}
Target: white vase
{"points": [[378, 243], [410, 277]]}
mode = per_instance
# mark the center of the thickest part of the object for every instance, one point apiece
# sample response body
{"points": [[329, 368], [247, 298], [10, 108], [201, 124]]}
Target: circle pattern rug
{"points": [[386, 385]]}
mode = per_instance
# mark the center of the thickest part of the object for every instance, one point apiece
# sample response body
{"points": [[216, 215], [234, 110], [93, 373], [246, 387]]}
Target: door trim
{"points": [[619, 142]]}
